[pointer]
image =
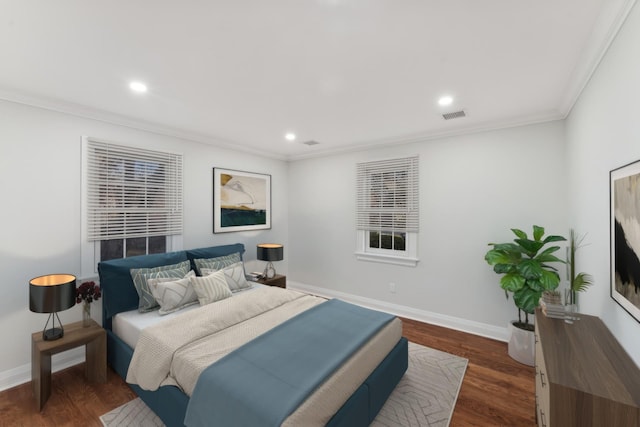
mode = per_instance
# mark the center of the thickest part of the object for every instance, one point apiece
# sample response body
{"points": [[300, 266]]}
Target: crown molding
{"points": [[603, 35], [120, 120], [605, 32], [488, 126], [85, 112]]}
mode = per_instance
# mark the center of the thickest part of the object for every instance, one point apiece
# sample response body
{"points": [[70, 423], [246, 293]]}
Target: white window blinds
{"points": [[132, 192], [388, 195]]}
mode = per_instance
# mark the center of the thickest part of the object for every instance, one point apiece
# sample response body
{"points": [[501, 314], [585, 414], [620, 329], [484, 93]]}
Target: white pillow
{"points": [[236, 280], [211, 288], [173, 294], [235, 277]]}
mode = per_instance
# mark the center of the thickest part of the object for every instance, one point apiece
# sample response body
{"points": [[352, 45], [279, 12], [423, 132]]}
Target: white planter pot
{"points": [[521, 345]]}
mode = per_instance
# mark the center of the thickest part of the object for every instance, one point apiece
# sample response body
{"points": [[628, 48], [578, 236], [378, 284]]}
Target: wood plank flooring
{"points": [[496, 391]]}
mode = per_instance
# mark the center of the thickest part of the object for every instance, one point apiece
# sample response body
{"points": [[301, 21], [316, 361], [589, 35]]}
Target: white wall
{"points": [[603, 133], [40, 171], [473, 189]]}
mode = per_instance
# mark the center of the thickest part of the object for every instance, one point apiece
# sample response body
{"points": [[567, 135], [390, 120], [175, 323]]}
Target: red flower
{"points": [[88, 291]]}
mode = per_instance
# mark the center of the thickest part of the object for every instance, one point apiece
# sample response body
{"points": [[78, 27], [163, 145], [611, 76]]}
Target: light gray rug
{"points": [[425, 396]]}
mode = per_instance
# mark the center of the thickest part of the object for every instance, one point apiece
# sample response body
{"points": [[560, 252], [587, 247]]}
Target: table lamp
{"points": [[50, 294], [270, 252]]}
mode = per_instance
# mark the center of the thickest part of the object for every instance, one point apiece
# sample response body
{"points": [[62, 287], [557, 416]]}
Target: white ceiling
{"points": [[346, 73]]}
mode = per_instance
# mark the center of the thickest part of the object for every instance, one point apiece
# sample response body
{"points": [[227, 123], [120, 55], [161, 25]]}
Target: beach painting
{"points": [[241, 201]]}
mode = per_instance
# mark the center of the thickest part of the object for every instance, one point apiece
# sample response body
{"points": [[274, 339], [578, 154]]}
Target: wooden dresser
{"points": [[583, 375]]}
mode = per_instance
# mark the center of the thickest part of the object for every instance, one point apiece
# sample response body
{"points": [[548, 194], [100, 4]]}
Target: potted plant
{"points": [[577, 282], [526, 269]]}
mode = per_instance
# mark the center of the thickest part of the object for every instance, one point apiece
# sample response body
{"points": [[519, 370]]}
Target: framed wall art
{"points": [[241, 201], [625, 237]]}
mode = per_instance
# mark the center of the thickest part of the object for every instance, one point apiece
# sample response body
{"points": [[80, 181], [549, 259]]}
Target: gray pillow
{"points": [[217, 263], [235, 277], [140, 276], [172, 294]]}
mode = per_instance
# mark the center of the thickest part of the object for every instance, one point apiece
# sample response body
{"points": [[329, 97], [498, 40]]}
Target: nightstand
{"points": [[75, 335], [278, 280]]}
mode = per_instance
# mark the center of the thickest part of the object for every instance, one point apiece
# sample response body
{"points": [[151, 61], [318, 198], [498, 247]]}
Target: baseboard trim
{"points": [[22, 374], [464, 325]]}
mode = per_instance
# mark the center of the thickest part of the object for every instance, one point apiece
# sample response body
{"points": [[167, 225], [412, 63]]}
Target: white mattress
{"points": [[128, 324]]}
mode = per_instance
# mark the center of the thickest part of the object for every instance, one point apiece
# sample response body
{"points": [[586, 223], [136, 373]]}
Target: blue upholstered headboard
{"points": [[118, 292]]}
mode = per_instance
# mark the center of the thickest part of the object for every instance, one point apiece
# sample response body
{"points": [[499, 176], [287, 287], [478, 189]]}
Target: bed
{"points": [[170, 401]]}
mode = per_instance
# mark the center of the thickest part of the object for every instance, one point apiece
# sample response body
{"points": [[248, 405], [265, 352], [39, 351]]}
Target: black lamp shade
{"points": [[270, 252], [52, 293]]}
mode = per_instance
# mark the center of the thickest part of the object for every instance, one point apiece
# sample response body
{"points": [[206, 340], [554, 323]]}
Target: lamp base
{"points": [[52, 334], [269, 271]]}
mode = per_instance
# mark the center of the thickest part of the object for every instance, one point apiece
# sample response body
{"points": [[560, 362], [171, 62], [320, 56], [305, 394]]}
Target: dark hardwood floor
{"points": [[496, 391]]}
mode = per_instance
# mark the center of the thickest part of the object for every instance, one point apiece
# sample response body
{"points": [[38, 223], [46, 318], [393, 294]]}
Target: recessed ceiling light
{"points": [[445, 100], [138, 87], [290, 136]]}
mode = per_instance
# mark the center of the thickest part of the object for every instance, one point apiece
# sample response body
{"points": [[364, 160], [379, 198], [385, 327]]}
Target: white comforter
{"points": [[176, 351]]}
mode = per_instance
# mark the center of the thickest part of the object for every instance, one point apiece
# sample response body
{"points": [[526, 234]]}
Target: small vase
{"points": [[86, 314], [571, 313]]}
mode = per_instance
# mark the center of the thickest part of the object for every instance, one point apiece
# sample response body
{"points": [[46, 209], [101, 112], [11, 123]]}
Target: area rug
{"points": [[425, 396]]}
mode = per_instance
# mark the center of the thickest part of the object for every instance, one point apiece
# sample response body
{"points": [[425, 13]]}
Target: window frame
{"points": [[90, 249], [366, 191], [408, 257]]}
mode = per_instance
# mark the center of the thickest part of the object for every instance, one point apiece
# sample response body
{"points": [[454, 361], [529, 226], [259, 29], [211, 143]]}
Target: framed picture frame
{"points": [[241, 201], [625, 237]]}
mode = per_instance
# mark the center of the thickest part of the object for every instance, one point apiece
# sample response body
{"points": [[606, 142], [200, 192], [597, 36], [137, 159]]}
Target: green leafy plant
{"points": [[525, 264], [577, 282]]}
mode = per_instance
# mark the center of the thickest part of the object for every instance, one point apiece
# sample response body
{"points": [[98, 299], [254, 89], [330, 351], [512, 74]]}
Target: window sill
{"points": [[387, 259]]}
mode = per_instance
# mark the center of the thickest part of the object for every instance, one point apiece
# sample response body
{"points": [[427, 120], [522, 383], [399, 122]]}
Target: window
{"points": [[133, 200], [122, 248], [387, 210]]}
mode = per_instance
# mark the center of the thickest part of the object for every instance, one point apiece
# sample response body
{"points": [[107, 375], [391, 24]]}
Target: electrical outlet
{"points": [[392, 287]]}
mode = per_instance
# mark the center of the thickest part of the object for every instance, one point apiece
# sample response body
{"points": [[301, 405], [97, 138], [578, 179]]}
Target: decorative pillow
{"points": [[211, 288], [217, 263], [172, 294], [140, 277], [235, 277]]}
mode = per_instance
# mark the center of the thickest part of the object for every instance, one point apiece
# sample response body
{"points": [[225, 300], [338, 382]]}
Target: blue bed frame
{"points": [[169, 402]]}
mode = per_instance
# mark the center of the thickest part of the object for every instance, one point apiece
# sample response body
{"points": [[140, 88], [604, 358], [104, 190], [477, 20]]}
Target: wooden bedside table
{"points": [[278, 280], [95, 339]]}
